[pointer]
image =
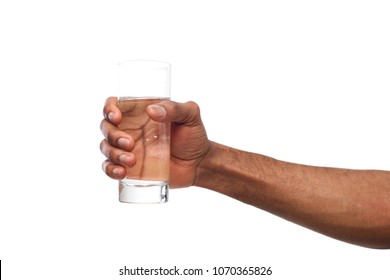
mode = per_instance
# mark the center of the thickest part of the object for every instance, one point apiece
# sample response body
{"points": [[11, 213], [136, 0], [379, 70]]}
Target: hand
{"points": [[189, 142]]}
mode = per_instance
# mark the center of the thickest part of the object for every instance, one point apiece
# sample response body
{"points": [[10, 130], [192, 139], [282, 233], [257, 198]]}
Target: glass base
{"points": [[141, 191]]}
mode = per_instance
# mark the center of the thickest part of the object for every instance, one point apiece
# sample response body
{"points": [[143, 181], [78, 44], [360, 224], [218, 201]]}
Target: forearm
{"points": [[350, 205]]}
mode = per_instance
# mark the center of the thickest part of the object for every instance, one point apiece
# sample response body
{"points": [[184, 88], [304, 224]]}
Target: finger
{"points": [[114, 171], [169, 111], [116, 137], [111, 110], [116, 155]]}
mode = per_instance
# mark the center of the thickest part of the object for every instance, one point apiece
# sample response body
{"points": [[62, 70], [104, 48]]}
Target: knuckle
{"points": [[101, 146], [112, 136], [192, 103], [193, 113], [194, 107], [112, 155], [102, 125], [104, 165]]}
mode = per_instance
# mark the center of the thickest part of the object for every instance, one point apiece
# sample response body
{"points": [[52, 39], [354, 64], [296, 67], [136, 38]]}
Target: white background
{"points": [[301, 81]]}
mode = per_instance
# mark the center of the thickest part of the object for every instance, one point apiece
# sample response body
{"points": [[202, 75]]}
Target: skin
{"points": [[349, 205]]}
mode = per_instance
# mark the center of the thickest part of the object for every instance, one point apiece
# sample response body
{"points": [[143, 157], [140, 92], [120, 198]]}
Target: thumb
{"points": [[169, 111]]}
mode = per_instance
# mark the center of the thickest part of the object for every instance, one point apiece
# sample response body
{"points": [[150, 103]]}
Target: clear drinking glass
{"points": [[142, 83]]}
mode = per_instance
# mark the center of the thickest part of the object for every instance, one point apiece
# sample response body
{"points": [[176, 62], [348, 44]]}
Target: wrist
{"points": [[235, 173], [205, 167], [219, 169]]}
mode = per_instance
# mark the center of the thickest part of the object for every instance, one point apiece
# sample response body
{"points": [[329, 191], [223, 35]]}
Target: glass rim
{"points": [[144, 63]]}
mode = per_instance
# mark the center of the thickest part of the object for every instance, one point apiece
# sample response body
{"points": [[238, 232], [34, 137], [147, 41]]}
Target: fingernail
{"points": [[111, 116], [124, 143], [123, 158], [116, 171], [158, 110]]}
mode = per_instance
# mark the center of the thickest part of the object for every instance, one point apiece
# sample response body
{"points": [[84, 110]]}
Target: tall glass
{"points": [[142, 83]]}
